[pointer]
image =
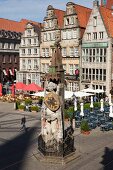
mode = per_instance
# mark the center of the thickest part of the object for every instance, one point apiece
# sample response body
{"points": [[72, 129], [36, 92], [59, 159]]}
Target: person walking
{"points": [[23, 121]]}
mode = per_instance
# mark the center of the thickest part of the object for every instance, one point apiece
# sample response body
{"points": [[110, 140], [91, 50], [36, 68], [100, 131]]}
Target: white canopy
{"points": [[67, 95], [82, 94], [93, 91], [89, 90]]}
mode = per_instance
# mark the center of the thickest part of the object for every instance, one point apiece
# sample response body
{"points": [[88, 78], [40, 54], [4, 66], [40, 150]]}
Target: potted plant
{"points": [[28, 101], [85, 127], [34, 108], [21, 107]]}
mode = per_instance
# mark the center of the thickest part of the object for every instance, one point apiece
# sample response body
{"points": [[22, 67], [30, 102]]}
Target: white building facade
{"points": [[29, 71], [96, 58]]}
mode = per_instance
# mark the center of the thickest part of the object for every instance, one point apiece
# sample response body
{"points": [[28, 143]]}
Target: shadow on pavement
{"points": [[107, 160], [12, 153]]}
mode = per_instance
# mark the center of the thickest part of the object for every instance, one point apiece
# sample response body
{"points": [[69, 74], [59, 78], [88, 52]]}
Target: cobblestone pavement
{"points": [[18, 149]]}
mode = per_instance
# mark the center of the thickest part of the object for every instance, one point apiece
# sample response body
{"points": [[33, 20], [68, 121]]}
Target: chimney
{"points": [[95, 3]]}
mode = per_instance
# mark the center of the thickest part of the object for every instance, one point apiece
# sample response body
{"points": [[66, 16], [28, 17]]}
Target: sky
{"points": [[33, 9]]}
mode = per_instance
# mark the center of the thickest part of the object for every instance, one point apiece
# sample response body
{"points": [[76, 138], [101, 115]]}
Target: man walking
{"points": [[23, 121]]}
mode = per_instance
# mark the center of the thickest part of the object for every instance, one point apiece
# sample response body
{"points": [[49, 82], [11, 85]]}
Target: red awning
{"points": [[0, 89], [33, 87], [20, 86]]}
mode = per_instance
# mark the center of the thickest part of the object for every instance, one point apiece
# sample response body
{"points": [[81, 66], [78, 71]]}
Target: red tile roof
{"points": [[107, 17], [60, 16], [109, 4], [10, 25], [83, 14]]}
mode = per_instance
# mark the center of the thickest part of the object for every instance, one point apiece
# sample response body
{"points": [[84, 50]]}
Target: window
{"points": [[101, 35], [93, 77], [47, 52], [35, 50], [29, 41], [95, 35], [35, 64], [88, 36], [23, 64], [29, 32], [67, 21], [69, 34], [29, 51], [76, 52], [23, 51], [72, 20], [74, 32], [104, 74], [71, 69], [95, 21], [29, 64], [64, 35], [71, 51], [35, 40], [64, 51]]}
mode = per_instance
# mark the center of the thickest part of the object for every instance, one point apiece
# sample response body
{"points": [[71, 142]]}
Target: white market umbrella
{"points": [[82, 109], [109, 99], [40, 94], [102, 105], [91, 105], [82, 94], [68, 94], [111, 110], [89, 90]]}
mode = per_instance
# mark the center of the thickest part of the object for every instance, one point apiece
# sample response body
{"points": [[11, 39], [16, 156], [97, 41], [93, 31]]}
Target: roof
{"points": [[83, 14], [107, 17], [15, 26], [60, 16]]}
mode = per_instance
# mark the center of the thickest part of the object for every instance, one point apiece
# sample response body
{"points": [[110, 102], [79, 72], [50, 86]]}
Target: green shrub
{"points": [[21, 107], [97, 104], [35, 108], [86, 106], [84, 126], [17, 104], [28, 101], [70, 112]]}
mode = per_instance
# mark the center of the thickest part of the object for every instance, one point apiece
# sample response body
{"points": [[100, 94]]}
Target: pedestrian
{"points": [[23, 121]]}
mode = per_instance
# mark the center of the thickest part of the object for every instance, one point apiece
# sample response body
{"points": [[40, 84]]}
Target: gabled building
{"points": [[75, 21], [53, 22], [29, 67], [10, 35], [67, 27], [97, 49]]}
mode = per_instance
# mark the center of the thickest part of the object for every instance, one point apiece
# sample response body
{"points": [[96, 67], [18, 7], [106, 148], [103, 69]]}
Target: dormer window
{"points": [[72, 20], [29, 32], [95, 21], [67, 21]]}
